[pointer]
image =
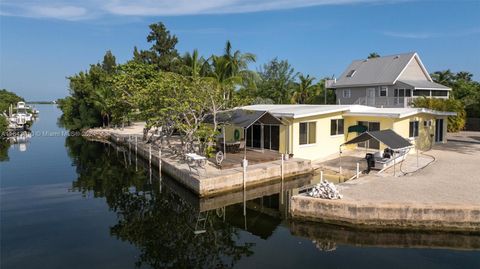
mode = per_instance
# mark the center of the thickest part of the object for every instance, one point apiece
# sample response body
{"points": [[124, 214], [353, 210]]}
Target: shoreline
{"points": [[355, 213], [394, 216], [206, 182]]}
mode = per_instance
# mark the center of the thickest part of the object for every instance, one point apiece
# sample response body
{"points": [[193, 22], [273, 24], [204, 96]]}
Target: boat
{"points": [[21, 119]]}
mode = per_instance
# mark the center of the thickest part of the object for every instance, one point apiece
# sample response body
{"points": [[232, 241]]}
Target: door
{"points": [[275, 137], [271, 137], [439, 130], [371, 126], [370, 101], [372, 143], [399, 95]]}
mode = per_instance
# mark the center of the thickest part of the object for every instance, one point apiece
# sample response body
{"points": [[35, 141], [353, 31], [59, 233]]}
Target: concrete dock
{"points": [[397, 216], [441, 196], [207, 180]]}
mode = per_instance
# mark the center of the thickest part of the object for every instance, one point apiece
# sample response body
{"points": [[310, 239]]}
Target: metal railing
{"points": [[382, 101]]}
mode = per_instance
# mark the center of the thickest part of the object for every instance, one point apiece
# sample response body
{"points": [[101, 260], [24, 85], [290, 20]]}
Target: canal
{"points": [[69, 203]]}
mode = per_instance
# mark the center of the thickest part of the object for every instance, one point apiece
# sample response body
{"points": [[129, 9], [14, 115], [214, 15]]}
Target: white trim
{"points": [[435, 89], [337, 129], [308, 132], [399, 115], [418, 129], [380, 91], [425, 72]]}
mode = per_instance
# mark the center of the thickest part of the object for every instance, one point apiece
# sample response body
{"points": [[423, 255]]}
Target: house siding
{"points": [[356, 93], [413, 71], [325, 144]]}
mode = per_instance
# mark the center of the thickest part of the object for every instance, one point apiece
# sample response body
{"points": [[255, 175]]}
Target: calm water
{"points": [[68, 203]]}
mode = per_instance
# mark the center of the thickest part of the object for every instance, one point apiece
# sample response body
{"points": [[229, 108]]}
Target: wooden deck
{"points": [[253, 156]]}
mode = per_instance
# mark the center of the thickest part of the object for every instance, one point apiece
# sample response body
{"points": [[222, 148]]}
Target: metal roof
{"points": [[388, 137], [244, 118], [299, 111], [394, 112], [424, 84], [375, 71]]}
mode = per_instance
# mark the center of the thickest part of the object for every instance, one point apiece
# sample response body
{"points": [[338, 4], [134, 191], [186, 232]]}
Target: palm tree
{"points": [[100, 100], [443, 77], [237, 61], [373, 55], [463, 75], [196, 64], [231, 69], [305, 90]]}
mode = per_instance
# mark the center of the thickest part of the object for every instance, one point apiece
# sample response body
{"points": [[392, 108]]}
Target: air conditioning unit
{"points": [[427, 123]]}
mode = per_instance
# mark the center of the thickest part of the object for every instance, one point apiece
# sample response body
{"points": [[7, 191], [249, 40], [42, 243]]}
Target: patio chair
{"points": [[241, 145], [219, 143]]}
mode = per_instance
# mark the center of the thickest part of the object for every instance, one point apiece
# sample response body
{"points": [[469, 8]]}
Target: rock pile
{"points": [[325, 190]]}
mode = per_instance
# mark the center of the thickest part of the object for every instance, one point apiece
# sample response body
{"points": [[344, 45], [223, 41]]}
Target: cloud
{"points": [[37, 9], [427, 35], [188, 7], [409, 35], [76, 9]]}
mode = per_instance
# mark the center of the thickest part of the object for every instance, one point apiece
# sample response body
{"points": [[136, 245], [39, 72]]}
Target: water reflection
{"points": [[18, 140], [328, 237], [172, 227], [162, 225]]}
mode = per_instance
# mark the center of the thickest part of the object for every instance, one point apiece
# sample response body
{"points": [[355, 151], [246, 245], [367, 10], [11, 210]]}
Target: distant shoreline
{"points": [[42, 102]]}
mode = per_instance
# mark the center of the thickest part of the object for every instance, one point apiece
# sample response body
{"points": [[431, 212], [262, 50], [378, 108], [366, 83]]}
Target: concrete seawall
{"points": [[210, 183], [391, 215], [328, 237]]}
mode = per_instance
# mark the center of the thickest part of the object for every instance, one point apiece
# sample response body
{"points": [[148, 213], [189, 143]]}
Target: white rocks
{"points": [[325, 190]]}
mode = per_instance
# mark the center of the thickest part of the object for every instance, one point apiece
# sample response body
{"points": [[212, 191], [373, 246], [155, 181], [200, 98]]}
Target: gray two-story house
{"points": [[389, 81]]}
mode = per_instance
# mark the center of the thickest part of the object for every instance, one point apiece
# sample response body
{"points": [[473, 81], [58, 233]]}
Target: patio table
{"points": [[232, 146]]}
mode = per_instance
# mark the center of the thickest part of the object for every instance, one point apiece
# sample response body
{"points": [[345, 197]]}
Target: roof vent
{"points": [[396, 57]]}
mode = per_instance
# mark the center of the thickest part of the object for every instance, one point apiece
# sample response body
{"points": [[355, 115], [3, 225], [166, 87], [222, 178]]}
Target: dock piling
{"points": [[282, 175], [245, 164], [150, 155], [358, 170]]}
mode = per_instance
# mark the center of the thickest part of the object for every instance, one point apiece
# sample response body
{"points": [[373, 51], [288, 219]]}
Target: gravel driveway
{"points": [[454, 178]]}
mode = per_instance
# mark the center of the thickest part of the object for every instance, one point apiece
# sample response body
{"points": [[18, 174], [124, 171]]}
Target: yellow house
{"points": [[316, 131]]}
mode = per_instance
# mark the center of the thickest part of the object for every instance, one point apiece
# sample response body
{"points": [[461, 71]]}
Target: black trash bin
{"points": [[370, 161]]}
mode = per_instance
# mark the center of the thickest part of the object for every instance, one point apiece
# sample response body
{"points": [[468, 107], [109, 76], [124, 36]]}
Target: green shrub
{"points": [[3, 126], [455, 123]]}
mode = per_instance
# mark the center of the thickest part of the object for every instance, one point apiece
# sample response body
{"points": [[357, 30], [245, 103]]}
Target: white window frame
{"points": [[308, 133], [337, 129], [348, 95], [383, 88], [418, 129]]}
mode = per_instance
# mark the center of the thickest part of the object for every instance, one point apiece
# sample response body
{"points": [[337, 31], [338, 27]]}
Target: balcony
{"points": [[383, 101]]}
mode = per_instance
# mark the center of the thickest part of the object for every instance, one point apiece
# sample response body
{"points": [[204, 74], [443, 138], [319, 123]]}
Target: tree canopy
{"points": [[7, 98], [464, 89], [175, 92]]}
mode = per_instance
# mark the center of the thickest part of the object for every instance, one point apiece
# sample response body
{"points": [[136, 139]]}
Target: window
{"points": [[439, 93], [413, 130], [307, 133], [347, 93], [383, 91], [351, 73], [421, 93], [336, 127]]}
